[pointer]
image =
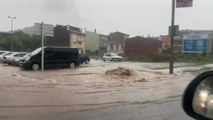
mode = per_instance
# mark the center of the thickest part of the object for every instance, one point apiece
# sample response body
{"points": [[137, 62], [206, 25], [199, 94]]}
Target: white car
{"points": [[4, 54], [10, 58], [17, 60], [112, 57]]}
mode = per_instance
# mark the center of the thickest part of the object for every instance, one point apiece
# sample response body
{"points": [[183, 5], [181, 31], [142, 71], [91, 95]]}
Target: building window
{"points": [[122, 46], [105, 45], [117, 47], [74, 36], [111, 45]]}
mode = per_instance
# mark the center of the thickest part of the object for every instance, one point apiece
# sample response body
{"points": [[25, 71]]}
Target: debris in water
{"points": [[141, 80], [120, 71], [54, 82]]}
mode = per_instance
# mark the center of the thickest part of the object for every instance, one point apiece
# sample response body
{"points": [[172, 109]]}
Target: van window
{"points": [[62, 55]]}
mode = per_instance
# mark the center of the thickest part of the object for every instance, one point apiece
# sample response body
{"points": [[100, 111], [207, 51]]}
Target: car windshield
{"points": [[103, 59], [6, 54], [22, 54], [1, 53], [113, 54], [19, 54], [12, 54], [27, 55], [35, 52]]}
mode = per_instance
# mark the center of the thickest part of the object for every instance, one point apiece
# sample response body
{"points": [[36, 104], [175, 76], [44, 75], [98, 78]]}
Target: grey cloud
{"points": [[56, 5], [131, 16]]}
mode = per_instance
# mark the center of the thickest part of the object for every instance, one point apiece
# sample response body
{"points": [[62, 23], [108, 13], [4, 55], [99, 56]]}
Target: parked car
{"points": [[1, 53], [4, 54], [112, 57], [84, 58], [53, 57], [16, 60], [9, 58]]}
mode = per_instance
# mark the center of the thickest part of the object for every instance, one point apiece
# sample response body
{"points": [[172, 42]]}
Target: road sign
{"points": [[184, 3], [176, 30], [195, 44], [47, 29]]}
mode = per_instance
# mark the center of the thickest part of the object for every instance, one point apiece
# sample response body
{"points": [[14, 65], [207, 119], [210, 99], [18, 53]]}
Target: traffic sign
{"points": [[48, 29], [184, 3], [176, 30]]}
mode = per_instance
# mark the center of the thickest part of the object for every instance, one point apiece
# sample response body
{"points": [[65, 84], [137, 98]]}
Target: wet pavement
{"points": [[87, 93], [169, 109]]}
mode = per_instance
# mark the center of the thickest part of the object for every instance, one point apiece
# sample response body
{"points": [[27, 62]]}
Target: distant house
{"points": [[92, 42], [166, 43], [139, 46], [116, 42], [103, 41], [96, 43], [67, 36]]}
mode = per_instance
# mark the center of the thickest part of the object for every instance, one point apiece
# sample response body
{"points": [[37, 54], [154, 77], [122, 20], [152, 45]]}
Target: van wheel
{"points": [[86, 62], [35, 66], [72, 65]]}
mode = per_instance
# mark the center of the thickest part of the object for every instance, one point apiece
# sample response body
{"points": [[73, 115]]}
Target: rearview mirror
{"points": [[198, 97]]}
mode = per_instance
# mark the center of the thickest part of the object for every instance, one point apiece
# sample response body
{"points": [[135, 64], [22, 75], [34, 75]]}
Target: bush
{"points": [[181, 56], [149, 58], [199, 58], [160, 58], [194, 58]]}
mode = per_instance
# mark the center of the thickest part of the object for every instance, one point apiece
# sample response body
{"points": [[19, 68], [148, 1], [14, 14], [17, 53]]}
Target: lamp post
{"points": [[11, 18], [171, 63]]}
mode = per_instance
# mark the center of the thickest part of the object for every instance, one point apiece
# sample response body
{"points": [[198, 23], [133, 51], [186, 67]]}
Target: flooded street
{"points": [[41, 95]]}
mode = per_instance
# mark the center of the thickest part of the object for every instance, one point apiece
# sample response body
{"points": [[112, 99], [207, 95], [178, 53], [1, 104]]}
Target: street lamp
{"points": [[12, 18]]}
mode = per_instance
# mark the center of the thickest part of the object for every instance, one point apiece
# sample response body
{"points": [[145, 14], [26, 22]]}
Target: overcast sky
{"points": [[135, 17]]}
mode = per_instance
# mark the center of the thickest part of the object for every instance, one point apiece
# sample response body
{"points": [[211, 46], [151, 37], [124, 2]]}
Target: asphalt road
{"points": [[160, 110], [70, 95]]}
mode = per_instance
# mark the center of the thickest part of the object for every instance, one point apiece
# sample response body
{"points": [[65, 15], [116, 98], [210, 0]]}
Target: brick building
{"points": [[67, 36], [142, 46]]}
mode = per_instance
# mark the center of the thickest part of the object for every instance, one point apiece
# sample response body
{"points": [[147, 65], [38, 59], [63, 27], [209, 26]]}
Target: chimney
{"points": [[68, 27], [94, 30], [85, 29]]}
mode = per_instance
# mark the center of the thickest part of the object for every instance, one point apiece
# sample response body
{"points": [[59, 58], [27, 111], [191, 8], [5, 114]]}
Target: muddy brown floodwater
{"points": [[24, 94]]}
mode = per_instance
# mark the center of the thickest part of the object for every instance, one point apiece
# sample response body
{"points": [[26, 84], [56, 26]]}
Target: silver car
{"points": [[10, 58], [112, 57], [4, 54], [16, 61]]}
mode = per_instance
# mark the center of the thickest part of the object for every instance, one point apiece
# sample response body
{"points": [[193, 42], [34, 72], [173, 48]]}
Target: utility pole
{"points": [[11, 18], [42, 46], [171, 64]]}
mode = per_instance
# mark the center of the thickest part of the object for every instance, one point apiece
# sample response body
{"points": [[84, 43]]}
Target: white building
{"points": [[36, 29]]}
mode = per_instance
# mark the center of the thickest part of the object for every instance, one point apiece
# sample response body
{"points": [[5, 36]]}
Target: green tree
{"points": [[21, 41]]}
